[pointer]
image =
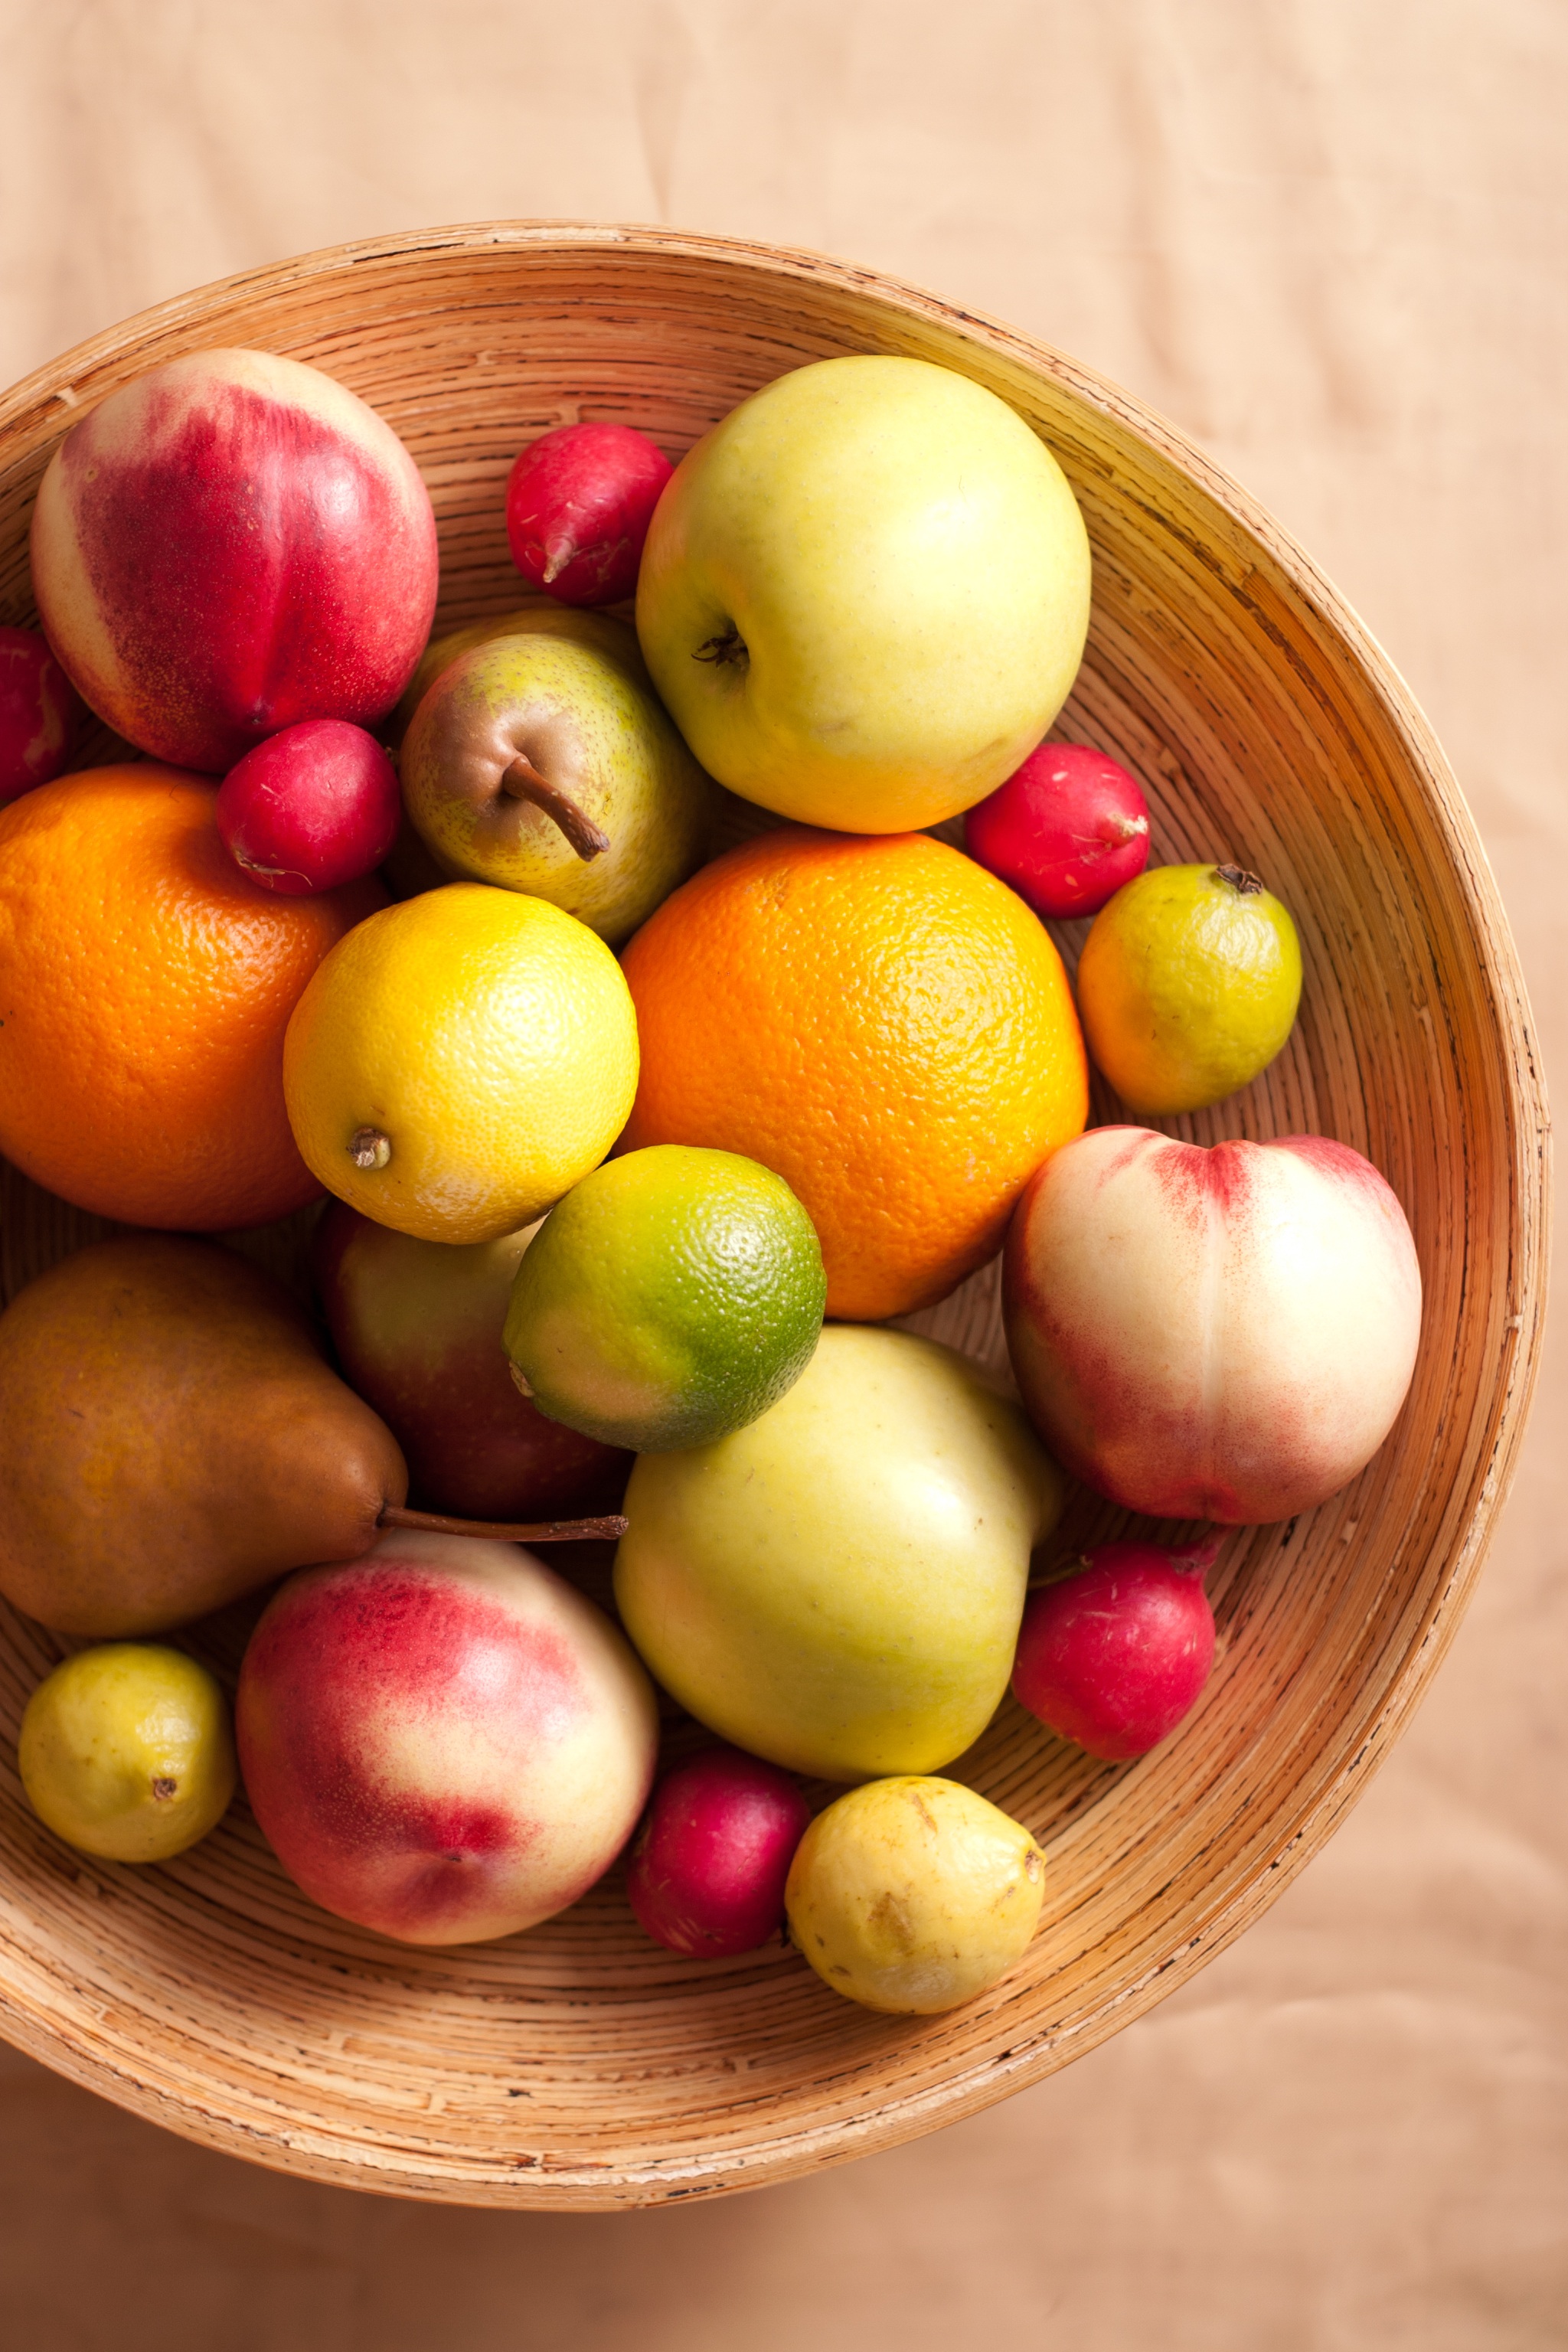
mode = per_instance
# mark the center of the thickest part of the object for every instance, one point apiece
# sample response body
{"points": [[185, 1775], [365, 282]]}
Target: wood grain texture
{"points": [[580, 2066]]}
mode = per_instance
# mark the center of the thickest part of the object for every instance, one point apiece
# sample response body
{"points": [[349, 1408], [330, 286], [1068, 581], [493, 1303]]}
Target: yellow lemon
{"points": [[460, 1060], [126, 1751], [1188, 986]]}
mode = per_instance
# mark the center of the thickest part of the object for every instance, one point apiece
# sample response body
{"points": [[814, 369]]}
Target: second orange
{"points": [[881, 1023]]}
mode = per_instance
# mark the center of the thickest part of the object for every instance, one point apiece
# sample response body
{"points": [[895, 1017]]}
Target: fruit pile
{"points": [[608, 1131]]}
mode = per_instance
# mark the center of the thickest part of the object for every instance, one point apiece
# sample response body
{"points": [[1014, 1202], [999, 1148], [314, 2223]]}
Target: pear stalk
{"points": [[523, 781], [543, 1531]]}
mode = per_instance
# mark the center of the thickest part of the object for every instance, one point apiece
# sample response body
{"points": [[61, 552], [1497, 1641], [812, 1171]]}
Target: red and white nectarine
{"points": [[443, 1740], [229, 544], [1223, 1333]]}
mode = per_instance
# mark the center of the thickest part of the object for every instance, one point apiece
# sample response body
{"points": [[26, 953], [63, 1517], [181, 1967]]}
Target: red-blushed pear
{"points": [[445, 1742], [1221, 1333], [230, 544], [417, 1329]]}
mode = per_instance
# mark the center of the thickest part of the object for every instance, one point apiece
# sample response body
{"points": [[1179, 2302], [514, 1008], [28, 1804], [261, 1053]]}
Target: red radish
{"points": [[707, 1869], [313, 806], [1115, 1654], [230, 544], [578, 505], [1065, 831], [39, 713]]}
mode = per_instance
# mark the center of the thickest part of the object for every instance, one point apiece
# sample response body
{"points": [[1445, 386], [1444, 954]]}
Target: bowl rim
{"points": [[40, 408]]}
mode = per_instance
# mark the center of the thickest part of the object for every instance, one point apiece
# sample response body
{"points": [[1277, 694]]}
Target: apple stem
{"points": [[504, 1532], [1245, 884], [523, 781], [729, 646]]}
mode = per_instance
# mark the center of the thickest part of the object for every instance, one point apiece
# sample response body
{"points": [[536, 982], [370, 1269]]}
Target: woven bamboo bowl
{"points": [[580, 2066]]}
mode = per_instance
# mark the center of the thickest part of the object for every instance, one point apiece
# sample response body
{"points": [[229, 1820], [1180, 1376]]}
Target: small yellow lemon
{"points": [[126, 1751], [1188, 986], [460, 1060], [913, 1895]]}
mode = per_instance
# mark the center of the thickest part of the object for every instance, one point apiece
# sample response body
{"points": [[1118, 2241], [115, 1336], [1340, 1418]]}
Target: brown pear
{"points": [[171, 1438]]}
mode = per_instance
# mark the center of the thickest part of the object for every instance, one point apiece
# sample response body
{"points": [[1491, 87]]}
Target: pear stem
{"points": [[523, 781], [504, 1532]]}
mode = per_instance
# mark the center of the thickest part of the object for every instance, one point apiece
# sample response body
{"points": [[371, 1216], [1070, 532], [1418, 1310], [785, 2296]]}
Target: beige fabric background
{"points": [[1327, 237]]}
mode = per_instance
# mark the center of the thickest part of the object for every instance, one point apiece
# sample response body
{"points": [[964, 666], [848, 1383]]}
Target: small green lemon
{"points": [[672, 1296], [1188, 986], [126, 1751], [913, 1895]]}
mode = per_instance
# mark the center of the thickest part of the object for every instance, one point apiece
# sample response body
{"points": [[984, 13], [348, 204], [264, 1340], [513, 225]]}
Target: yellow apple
{"points": [[838, 1586], [864, 594]]}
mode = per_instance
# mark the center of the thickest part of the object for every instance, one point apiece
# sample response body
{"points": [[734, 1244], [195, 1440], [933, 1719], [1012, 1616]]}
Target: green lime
{"points": [[126, 1751], [673, 1296], [1188, 985]]}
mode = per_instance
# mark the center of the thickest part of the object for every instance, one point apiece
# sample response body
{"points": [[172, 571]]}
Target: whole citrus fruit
{"points": [[126, 1751], [880, 1022], [672, 1296], [145, 986], [460, 1060], [1188, 985]]}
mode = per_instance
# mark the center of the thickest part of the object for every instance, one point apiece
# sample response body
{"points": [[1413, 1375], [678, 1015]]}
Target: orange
{"points": [[881, 1023], [145, 986]]}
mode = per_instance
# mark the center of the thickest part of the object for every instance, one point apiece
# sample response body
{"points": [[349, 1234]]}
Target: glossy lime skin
{"points": [[126, 1751], [913, 1895], [671, 1297], [1188, 986]]}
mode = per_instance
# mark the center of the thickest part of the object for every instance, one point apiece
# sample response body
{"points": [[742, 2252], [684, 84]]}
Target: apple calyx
{"points": [[522, 781], [607, 1528], [729, 647], [1245, 884], [368, 1148]]}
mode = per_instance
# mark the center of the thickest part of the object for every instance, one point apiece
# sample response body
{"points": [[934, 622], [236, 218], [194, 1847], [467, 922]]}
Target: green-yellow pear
{"points": [[542, 764], [543, 619], [838, 1587], [865, 594]]}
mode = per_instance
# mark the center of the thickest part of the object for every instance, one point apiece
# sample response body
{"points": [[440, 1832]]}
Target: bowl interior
{"points": [[580, 2064]]}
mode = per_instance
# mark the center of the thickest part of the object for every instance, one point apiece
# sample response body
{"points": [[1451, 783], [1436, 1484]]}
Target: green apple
{"points": [[864, 594], [539, 762], [838, 1586]]}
